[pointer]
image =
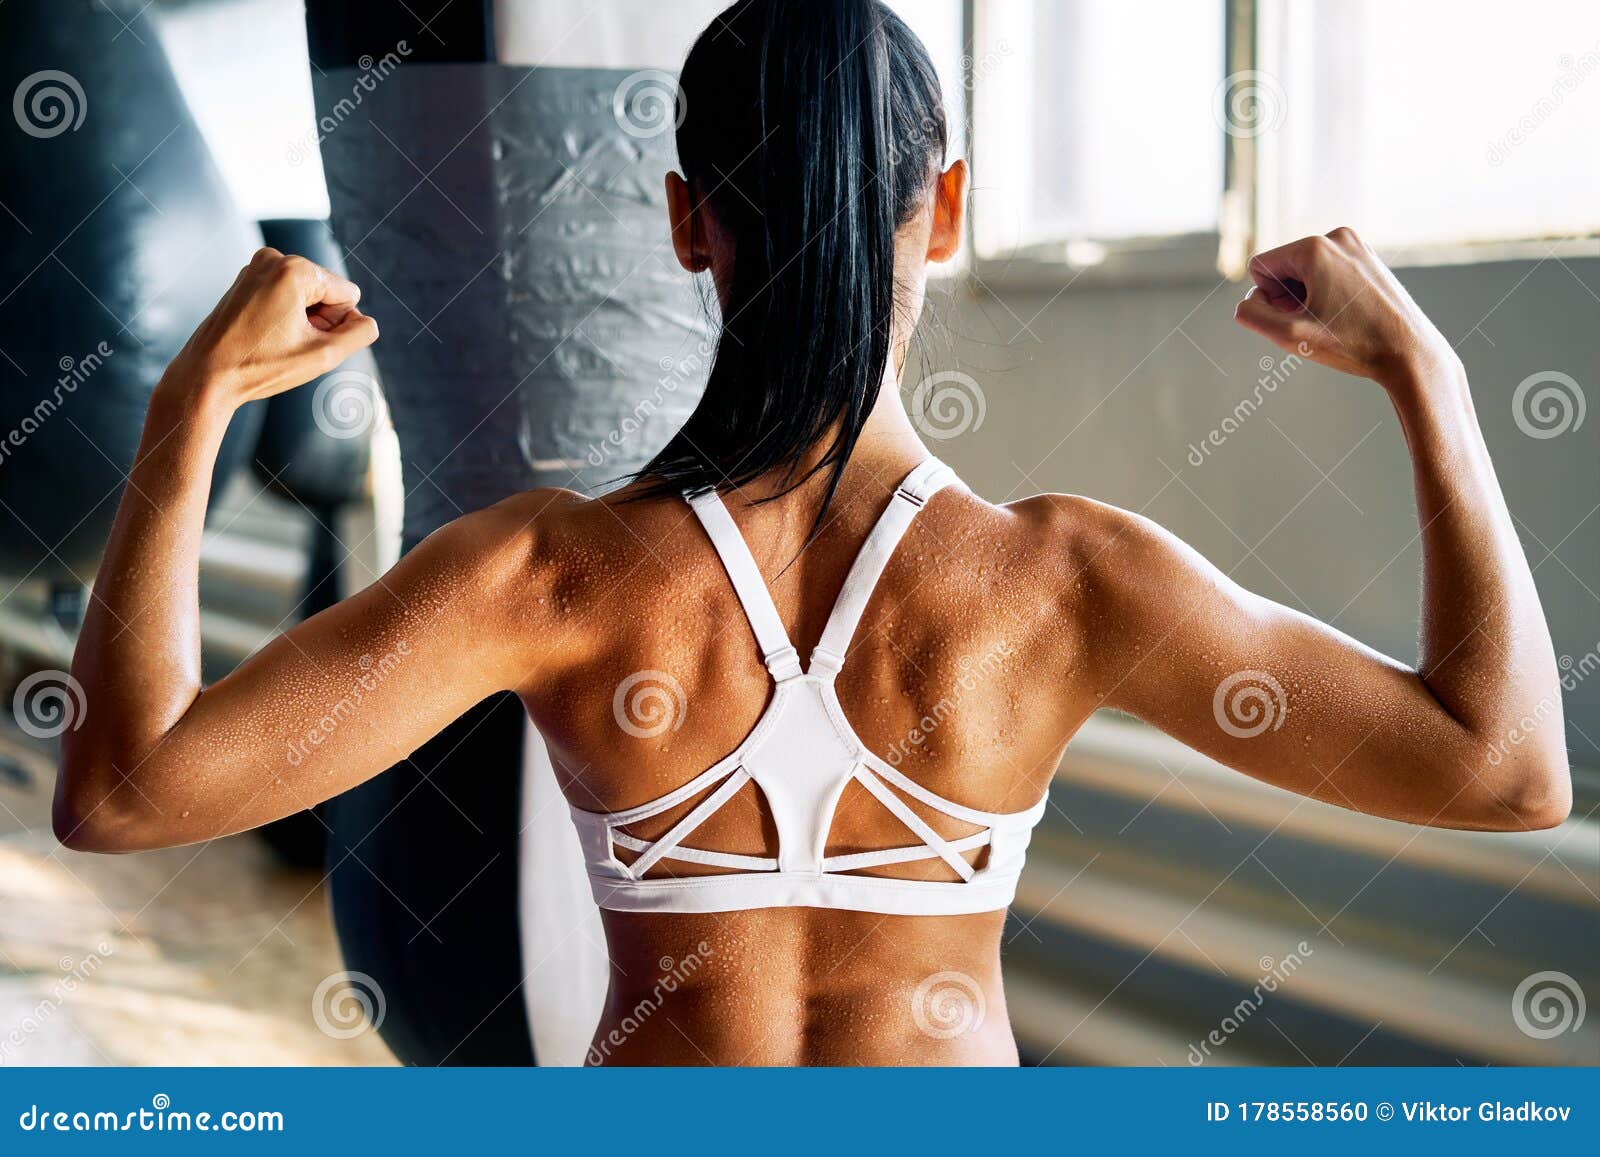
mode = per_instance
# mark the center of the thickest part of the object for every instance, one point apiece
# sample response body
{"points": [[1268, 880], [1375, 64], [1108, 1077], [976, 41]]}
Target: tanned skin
{"points": [[1075, 605]]}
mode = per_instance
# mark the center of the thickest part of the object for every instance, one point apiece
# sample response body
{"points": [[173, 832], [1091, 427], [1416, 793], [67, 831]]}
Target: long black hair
{"points": [[811, 130]]}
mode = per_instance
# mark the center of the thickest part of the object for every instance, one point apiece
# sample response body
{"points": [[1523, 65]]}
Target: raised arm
{"points": [[158, 760], [1471, 739]]}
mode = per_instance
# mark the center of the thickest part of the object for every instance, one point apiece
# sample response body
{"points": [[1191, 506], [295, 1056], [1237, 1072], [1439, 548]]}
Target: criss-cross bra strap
{"points": [[776, 651], [713, 859], [920, 485], [912, 820], [855, 861], [684, 827]]}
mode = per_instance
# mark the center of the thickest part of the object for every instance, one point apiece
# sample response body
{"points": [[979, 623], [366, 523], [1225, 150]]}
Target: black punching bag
{"points": [[116, 239], [508, 228]]}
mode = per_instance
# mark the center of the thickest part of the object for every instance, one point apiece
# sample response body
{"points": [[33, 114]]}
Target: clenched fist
{"points": [[284, 321], [1334, 295]]}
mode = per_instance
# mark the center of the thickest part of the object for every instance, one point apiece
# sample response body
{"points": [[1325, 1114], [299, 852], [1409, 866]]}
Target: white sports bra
{"points": [[800, 754]]}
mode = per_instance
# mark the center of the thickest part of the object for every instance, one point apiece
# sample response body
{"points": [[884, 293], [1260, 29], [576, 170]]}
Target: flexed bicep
{"points": [[1473, 737], [316, 711], [1278, 695]]}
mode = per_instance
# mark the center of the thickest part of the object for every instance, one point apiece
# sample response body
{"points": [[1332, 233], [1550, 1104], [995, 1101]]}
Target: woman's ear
{"points": [[949, 213], [688, 239]]}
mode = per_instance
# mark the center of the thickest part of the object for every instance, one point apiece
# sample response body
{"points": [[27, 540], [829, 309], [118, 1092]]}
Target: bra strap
{"points": [[782, 660], [920, 485]]}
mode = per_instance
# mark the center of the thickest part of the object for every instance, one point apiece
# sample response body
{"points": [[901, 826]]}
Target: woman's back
{"points": [[954, 678], [815, 195]]}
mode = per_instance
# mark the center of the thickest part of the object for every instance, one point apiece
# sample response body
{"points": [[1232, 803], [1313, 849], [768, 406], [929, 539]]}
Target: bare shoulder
{"points": [[1109, 569], [543, 580], [501, 566], [1105, 545], [499, 542], [1068, 536], [1038, 560], [1127, 581]]}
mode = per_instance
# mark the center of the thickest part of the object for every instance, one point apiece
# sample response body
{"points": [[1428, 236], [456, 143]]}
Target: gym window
{"points": [[1256, 121]]}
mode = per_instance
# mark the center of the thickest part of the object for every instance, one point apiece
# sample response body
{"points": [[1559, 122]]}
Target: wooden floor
{"points": [[209, 955]]}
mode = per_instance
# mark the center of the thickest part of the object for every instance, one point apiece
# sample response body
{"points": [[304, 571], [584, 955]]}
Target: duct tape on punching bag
{"points": [[508, 227]]}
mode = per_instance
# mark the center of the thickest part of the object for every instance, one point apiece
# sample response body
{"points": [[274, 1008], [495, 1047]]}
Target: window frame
{"points": [[1181, 258]]}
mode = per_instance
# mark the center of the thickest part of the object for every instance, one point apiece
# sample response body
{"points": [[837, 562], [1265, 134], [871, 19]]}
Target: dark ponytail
{"points": [[811, 130]]}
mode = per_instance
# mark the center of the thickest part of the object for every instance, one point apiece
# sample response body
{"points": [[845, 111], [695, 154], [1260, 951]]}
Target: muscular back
{"points": [[1002, 627], [956, 676]]}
